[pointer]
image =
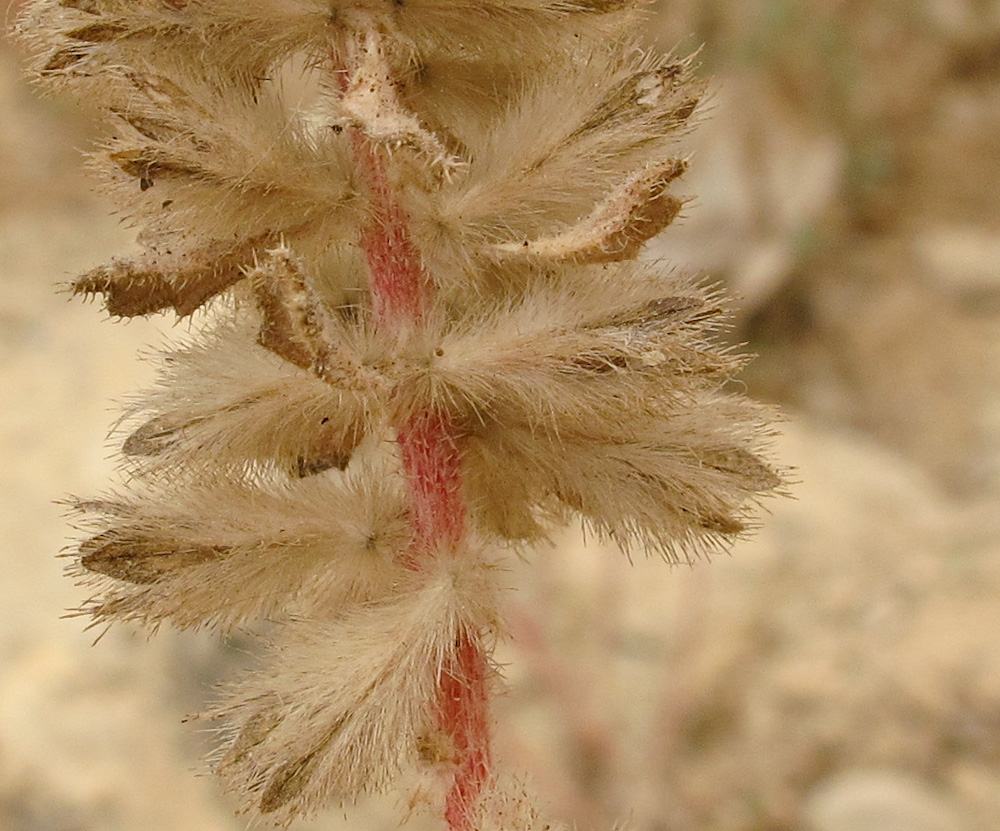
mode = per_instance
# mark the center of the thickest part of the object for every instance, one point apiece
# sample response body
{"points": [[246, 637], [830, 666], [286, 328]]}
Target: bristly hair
{"points": [[438, 343]]}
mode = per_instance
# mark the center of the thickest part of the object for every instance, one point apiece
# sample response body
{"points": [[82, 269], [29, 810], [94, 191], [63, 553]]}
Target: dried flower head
{"points": [[433, 340]]}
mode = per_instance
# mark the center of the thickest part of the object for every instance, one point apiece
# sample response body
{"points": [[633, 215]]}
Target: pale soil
{"points": [[841, 664]]}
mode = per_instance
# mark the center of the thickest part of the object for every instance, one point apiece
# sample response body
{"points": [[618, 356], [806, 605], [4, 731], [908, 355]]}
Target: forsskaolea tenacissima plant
{"points": [[410, 231]]}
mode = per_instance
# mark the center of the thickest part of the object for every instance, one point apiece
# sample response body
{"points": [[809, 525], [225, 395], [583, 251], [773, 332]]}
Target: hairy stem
{"points": [[463, 711], [401, 296], [432, 465], [400, 289]]}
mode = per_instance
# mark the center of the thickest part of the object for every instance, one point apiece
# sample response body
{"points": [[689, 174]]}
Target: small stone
{"points": [[879, 801], [963, 260]]}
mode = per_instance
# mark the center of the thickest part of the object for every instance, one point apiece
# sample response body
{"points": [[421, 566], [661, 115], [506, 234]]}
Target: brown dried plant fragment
{"points": [[155, 281], [299, 327], [746, 468], [147, 164], [141, 561], [288, 782], [436, 747], [98, 32], [63, 59], [636, 338], [645, 338], [371, 103], [617, 228], [331, 443], [254, 731], [598, 6], [662, 311], [331, 446], [328, 456], [152, 438], [88, 6], [725, 526], [294, 322], [161, 91], [652, 93], [153, 128]]}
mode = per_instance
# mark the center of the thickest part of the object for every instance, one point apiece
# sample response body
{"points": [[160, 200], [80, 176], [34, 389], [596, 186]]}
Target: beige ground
{"points": [[839, 672]]}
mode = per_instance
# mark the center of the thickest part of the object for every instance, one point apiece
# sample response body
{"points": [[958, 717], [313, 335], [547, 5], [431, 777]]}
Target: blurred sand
{"points": [[839, 665]]}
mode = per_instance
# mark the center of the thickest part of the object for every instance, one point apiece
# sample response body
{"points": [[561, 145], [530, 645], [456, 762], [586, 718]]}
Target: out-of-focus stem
{"points": [[401, 295]]}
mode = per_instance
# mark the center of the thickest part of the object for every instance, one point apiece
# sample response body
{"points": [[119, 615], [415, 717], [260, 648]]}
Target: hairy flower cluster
{"points": [[432, 341]]}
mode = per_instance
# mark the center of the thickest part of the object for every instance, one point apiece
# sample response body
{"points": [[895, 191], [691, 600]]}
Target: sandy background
{"points": [[840, 672]]}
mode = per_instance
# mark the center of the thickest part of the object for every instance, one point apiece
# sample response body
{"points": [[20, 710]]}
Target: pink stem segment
{"points": [[401, 296], [400, 289], [433, 473], [463, 708]]}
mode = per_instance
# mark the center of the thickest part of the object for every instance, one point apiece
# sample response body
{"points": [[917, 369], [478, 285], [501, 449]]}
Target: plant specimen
{"points": [[413, 227]]}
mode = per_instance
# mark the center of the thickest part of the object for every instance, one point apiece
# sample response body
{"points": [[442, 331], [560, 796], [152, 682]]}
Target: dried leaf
{"points": [[288, 782], [88, 6], [63, 59], [253, 731], [618, 227], [98, 32], [137, 560], [149, 163], [152, 438], [755, 475], [152, 282]]}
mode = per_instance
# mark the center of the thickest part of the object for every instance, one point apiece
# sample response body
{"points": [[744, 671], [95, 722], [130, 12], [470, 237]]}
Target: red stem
{"points": [[401, 295], [400, 289], [463, 709], [433, 474]]}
